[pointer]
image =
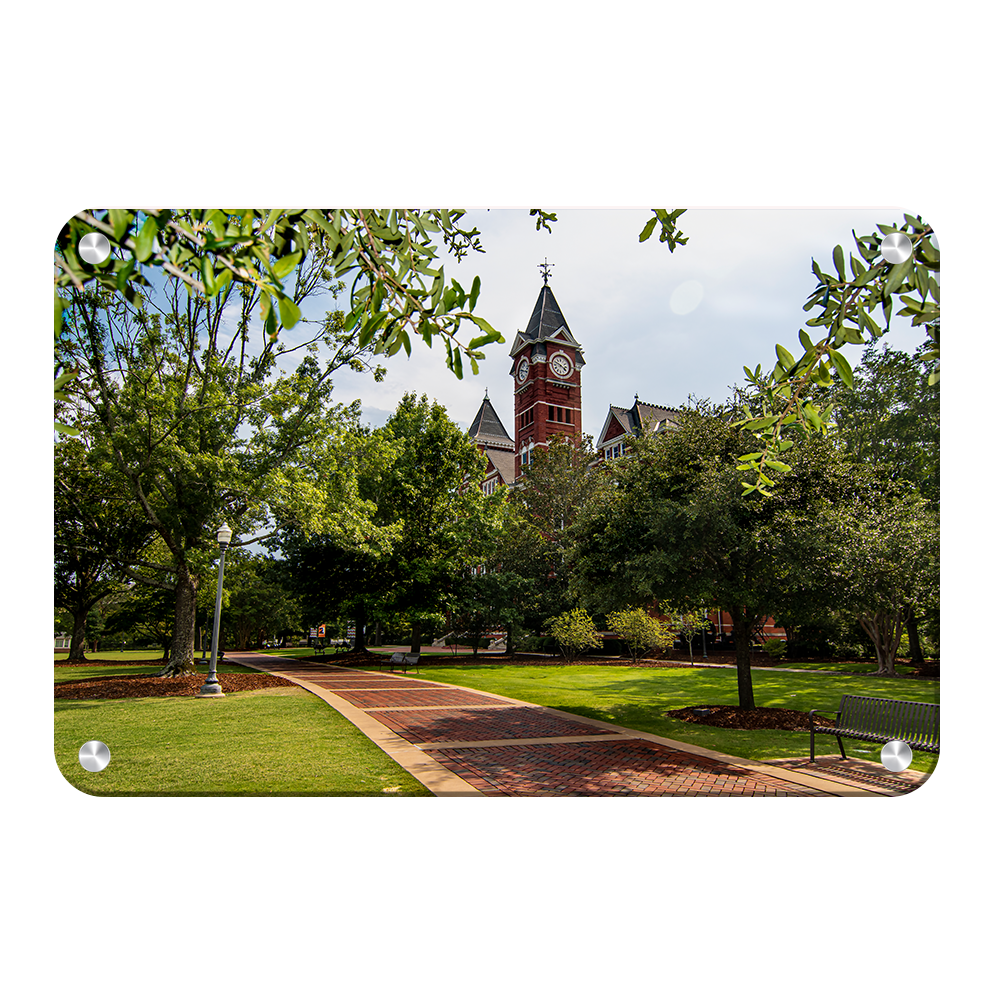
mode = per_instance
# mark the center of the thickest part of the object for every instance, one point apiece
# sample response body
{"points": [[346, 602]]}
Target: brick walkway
{"points": [[463, 742]]}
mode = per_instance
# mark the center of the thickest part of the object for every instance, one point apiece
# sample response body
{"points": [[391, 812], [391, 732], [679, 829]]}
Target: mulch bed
{"points": [[731, 717], [133, 686]]}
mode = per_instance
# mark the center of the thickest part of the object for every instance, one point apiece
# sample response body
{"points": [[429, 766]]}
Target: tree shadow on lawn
{"points": [[687, 688]]}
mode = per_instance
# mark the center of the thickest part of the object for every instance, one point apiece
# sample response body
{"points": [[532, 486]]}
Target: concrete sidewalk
{"points": [[458, 741]]}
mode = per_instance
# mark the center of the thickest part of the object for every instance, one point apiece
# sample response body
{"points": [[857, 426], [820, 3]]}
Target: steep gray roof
{"points": [[547, 321], [488, 429]]}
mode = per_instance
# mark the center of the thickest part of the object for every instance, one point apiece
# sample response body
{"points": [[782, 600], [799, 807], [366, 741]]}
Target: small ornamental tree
{"points": [[575, 632], [639, 630], [686, 625]]}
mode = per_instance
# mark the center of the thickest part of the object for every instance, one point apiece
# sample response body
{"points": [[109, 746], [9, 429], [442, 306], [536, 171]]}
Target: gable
{"points": [[612, 429]]}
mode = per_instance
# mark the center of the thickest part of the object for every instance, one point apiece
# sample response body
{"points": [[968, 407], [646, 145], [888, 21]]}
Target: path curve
{"points": [[462, 742]]}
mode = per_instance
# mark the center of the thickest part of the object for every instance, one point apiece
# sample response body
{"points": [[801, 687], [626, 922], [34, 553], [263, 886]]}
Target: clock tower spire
{"points": [[546, 370]]}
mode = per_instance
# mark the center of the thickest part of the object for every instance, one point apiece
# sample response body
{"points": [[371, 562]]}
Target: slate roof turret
{"points": [[488, 429], [547, 323]]}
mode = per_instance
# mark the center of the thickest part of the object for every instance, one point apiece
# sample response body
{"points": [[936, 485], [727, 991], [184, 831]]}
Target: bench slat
{"points": [[879, 720]]}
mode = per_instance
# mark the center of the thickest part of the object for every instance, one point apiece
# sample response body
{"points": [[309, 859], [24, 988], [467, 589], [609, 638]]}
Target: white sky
{"points": [[650, 322]]}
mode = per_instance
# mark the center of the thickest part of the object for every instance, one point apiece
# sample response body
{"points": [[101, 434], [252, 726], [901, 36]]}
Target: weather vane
{"points": [[545, 270]]}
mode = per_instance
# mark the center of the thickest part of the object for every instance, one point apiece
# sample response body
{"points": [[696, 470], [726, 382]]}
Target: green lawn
{"points": [[286, 742], [638, 698], [280, 741]]}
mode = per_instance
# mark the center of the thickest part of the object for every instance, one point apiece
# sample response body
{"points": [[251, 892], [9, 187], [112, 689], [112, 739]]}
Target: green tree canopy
{"points": [[419, 477], [667, 524], [203, 426], [98, 533]]}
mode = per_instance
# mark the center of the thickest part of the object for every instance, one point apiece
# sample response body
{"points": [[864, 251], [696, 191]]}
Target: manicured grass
{"points": [[279, 741], [849, 668], [638, 698]]}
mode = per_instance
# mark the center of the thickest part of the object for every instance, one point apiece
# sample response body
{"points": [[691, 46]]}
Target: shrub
{"points": [[575, 632], [774, 647], [639, 630]]}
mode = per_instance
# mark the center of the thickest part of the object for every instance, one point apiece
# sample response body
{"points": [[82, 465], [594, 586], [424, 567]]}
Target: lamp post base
{"points": [[210, 691]]}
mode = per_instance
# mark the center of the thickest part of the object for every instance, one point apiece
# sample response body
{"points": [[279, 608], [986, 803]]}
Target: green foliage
{"points": [[574, 631], [686, 625], [413, 474], [774, 647], [145, 615], [884, 560], [173, 396], [639, 629], [890, 418], [669, 233], [389, 259], [666, 525], [551, 492], [785, 405], [97, 533], [259, 602]]}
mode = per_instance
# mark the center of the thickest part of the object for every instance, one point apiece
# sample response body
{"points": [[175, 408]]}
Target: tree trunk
{"points": [[78, 644], [913, 637], [360, 622], [886, 631], [510, 639], [415, 639], [742, 634], [181, 659]]}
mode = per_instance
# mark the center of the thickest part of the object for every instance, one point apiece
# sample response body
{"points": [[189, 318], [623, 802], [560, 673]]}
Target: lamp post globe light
{"points": [[212, 688]]}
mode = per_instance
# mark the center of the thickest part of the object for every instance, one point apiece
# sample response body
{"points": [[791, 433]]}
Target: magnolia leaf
{"points": [[286, 265], [144, 241], [290, 312], [785, 358], [761, 423], [843, 368], [838, 261]]}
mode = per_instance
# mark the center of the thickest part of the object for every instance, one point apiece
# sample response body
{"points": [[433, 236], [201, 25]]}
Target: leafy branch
{"points": [[783, 396]]}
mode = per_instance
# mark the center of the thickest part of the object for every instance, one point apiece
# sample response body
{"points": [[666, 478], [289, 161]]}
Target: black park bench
{"points": [[879, 720], [404, 660]]}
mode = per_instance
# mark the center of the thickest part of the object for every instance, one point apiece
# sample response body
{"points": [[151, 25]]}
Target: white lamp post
{"points": [[212, 688]]}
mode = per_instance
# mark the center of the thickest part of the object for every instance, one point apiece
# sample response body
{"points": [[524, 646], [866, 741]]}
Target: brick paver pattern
{"points": [[515, 722], [418, 711], [362, 684], [625, 767], [394, 697], [885, 782]]}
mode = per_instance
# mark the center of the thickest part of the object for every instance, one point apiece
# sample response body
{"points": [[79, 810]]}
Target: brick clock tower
{"points": [[546, 370]]}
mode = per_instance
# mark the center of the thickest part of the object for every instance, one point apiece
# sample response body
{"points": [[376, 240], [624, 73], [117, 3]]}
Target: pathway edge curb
{"points": [[432, 775]]}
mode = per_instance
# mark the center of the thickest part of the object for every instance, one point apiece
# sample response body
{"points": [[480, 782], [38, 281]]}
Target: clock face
{"points": [[522, 370], [560, 365]]}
